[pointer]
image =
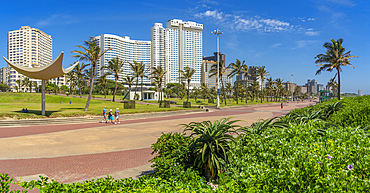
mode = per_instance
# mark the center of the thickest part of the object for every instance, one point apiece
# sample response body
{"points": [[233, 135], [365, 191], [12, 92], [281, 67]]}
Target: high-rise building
{"points": [[360, 92], [125, 49], [207, 64], [28, 47], [176, 47], [244, 81]]}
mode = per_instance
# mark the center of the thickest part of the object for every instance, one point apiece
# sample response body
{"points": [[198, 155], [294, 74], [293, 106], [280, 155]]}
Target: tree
{"points": [[334, 58], [229, 89], [270, 84], [71, 78], [221, 72], [64, 88], [129, 80], [78, 71], [19, 82], [204, 91], [262, 73], [238, 68], [36, 86], [279, 87], [27, 83], [103, 81], [3, 87], [115, 67], [138, 69], [245, 70], [158, 75], [92, 53], [187, 74]]}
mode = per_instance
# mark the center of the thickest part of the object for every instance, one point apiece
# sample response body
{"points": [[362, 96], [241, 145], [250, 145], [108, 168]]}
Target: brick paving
{"points": [[74, 168]]}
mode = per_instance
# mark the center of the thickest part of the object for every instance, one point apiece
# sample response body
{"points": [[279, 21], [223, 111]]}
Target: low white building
{"points": [[147, 94]]}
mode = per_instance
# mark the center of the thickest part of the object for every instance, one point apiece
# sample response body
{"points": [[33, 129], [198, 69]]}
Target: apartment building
{"points": [[177, 46], [28, 47], [207, 64], [127, 50]]}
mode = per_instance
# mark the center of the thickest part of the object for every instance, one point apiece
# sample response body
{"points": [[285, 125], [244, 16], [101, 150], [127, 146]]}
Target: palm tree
{"points": [[262, 73], [71, 78], [245, 70], [238, 68], [26, 82], [187, 74], [36, 86], [19, 82], [130, 81], [92, 53], [103, 81], [270, 84], [254, 88], [229, 89], [78, 71], [334, 58], [138, 69], [158, 75], [279, 87], [221, 72], [115, 67], [204, 91]]}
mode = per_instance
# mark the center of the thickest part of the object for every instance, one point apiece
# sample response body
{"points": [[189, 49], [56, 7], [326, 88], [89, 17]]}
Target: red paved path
{"points": [[79, 167]]}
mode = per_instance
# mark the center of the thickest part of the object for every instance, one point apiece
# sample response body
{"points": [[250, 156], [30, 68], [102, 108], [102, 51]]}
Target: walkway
{"points": [[76, 152]]}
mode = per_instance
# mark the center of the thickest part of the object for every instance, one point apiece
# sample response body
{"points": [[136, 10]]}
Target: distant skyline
{"points": [[284, 36]]}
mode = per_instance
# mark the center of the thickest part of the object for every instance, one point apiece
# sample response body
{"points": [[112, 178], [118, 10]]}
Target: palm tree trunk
{"points": [[141, 88], [261, 91], [129, 90], [223, 90], [188, 91], [338, 83], [79, 86], [246, 91], [115, 90], [105, 93], [137, 81], [91, 88]]}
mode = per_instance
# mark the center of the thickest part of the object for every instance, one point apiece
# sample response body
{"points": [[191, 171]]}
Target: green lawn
{"points": [[222, 104], [11, 105]]}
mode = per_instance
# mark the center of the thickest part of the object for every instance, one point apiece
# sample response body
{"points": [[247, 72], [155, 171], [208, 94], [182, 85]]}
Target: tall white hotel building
{"points": [[178, 46], [125, 49], [29, 47]]}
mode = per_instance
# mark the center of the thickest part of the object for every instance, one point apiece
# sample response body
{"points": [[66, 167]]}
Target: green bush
{"points": [[301, 159], [354, 113], [172, 154]]}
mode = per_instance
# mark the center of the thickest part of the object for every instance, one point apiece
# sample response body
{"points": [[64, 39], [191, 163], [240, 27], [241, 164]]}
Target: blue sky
{"points": [[285, 36]]}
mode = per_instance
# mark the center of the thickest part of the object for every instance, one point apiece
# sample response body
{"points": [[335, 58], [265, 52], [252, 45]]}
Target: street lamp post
{"points": [[218, 32], [292, 87]]}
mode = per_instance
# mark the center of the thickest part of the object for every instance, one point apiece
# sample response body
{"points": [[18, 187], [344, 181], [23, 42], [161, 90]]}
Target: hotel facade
{"points": [[28, 47], [127, 50], [178, 46]]}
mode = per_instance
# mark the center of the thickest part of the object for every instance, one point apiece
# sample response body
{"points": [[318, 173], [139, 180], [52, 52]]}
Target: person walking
{"points": [[281, 105], [110, 116], [116, 114], [104, 115]]}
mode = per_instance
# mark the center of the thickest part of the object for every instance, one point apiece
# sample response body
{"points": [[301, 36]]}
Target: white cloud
{"points": [[311, 33], [276, 45], [260, 24], [256, 23], [214, 14], [347, 3], [304, 43], [57, 19]]}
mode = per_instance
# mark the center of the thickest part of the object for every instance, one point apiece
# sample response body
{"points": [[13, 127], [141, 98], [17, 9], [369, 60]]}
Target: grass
{"points": [[222, 104], [11, 105]]}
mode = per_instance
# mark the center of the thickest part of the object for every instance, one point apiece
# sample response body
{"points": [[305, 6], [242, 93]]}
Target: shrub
{"points": [[300, 159]]}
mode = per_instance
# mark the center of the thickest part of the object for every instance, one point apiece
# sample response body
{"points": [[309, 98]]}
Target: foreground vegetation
{"points": [[11, 105], [321, 148]]}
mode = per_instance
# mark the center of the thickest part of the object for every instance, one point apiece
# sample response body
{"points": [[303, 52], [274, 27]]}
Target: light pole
{"points": [[218, 32], [292, 87]]}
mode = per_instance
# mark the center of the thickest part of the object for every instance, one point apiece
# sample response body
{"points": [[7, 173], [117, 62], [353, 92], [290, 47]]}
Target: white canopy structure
{"points": [[50, 71]]}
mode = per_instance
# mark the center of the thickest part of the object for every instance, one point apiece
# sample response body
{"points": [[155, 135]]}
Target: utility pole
{"points": [[218, 32]]}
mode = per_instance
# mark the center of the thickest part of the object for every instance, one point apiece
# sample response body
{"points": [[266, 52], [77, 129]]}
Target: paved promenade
{"points": [[79, 151]]}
